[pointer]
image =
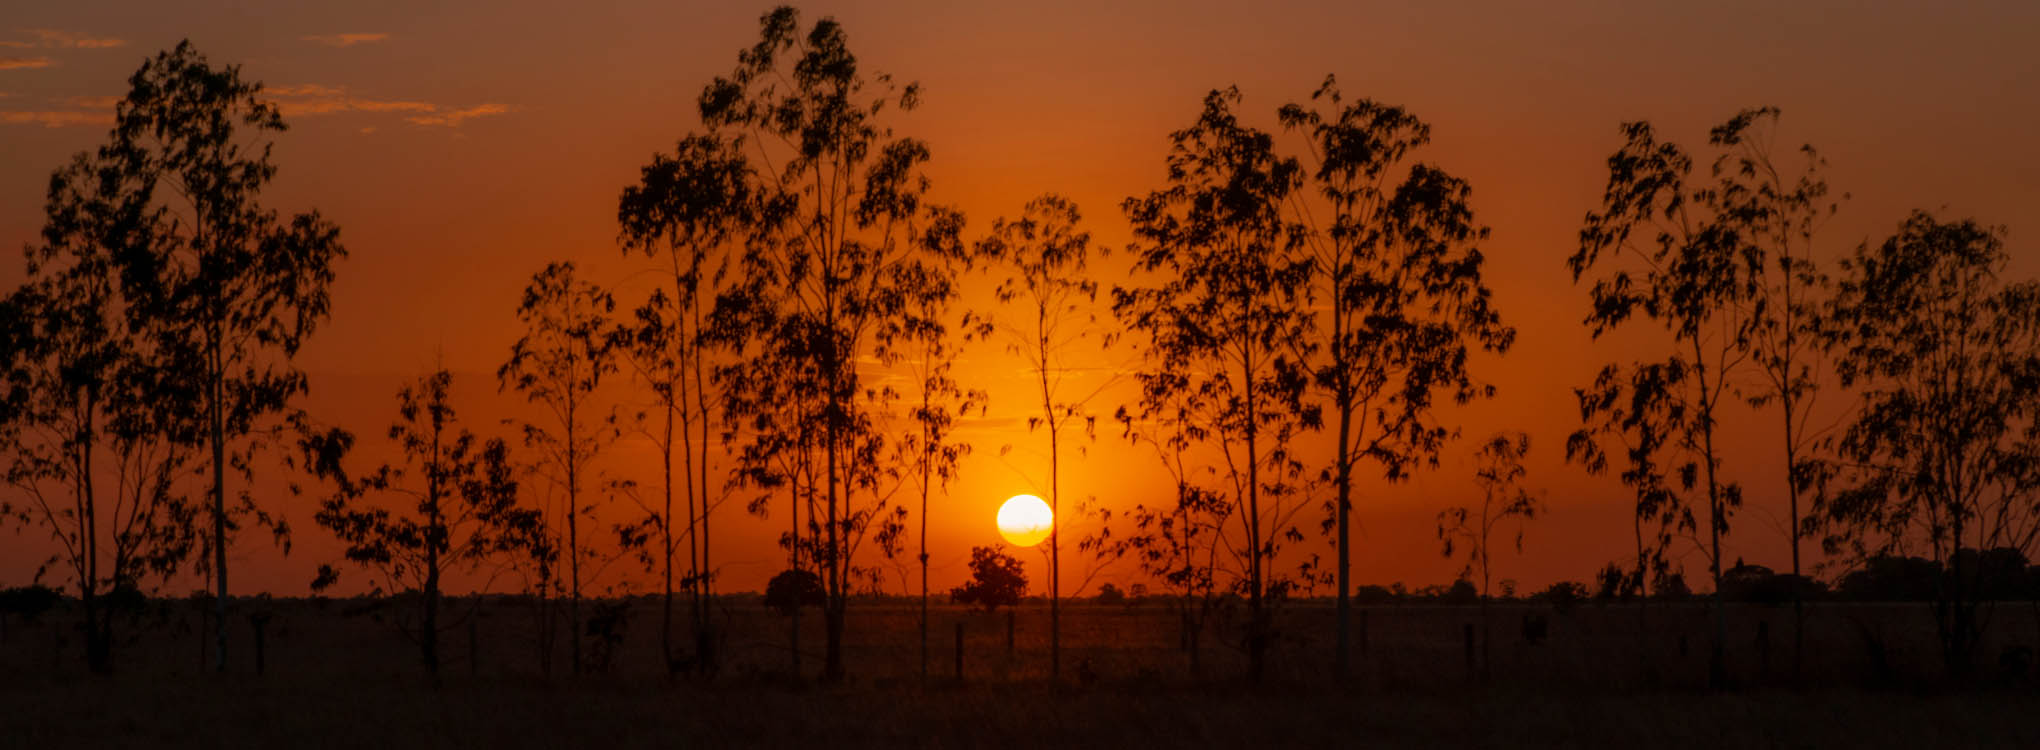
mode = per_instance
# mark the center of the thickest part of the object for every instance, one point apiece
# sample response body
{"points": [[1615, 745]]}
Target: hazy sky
{"points": [[461, 146]]}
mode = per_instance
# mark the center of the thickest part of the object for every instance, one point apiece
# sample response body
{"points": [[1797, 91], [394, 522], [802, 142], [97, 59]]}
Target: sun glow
{"points": [[1025, 520]]}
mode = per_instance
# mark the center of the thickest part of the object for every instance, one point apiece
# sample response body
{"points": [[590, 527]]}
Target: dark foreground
{"points": [[340, 674], [271, 713]]}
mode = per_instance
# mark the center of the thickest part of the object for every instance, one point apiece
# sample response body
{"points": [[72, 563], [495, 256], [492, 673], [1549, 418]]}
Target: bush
{"points": [[995, 579], [793, 588], [1563, 595], [1110, 594]]}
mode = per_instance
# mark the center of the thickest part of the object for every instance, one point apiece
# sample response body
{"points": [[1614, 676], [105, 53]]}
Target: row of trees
{"points": [[1926, 352], [1299, 319]]}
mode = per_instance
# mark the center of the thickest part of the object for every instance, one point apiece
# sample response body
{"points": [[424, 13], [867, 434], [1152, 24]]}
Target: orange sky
{"points": [[462, 146]]}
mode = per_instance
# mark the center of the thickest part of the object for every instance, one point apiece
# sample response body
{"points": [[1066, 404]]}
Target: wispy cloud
{"points": [[25, 63], [453, 118], [56, 118], [93, 102], [346, 40], [54, 39], [304, 100], [311, 99]]}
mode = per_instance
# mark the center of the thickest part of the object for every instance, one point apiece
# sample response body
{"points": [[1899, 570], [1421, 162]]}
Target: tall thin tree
{"points": [[1224, 301], [226, 288], [1668, 251], [845, 211], [561, 360], [1403, 303], [688, 210], [1045, 255]]}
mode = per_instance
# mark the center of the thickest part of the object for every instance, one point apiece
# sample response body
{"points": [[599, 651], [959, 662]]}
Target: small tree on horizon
{"points": [[1498, 471], [996, 579], [461, 497]]}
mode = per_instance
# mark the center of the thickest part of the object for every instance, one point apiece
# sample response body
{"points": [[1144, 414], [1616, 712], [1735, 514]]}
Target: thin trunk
{"points": [[832, 611], [573, 540], [1054, 508], [1256, 625], [1717, 657], [927, 460], [793, 549], [666, 542], [1342, 660], [219, 492]]}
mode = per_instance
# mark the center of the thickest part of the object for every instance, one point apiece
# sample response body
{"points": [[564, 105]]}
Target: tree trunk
{"points": [[219, 497]]}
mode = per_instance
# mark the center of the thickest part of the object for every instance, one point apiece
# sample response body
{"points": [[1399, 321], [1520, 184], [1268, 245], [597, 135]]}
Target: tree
{"points": [[1179, 543], [225, 289], [1045, 255], [1944, 452], [1393, 260], [1498, 470], [789, 590], [929, 447], [455, 505], [1675, 254], [996, 578], [1225, 305], [689, 210], [80, 402], [1778, 215], [562, 358], [845, 219]]}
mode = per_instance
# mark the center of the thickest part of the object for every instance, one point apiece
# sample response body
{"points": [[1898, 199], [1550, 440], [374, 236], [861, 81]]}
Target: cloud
{"points": [[346, 40], [25, 63], [304, 100], [93, 102], [56, 118], [453, 118], [310, 99], [54, 39]]}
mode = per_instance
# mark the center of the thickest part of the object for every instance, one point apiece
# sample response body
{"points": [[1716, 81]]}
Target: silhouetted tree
{"points": [[688, 210], [929, 446], [844, 219], [224, 288], [995, 579], [84, 439], [1779, 215], [1498, 472], [1045, 257], [1226, 306], [1178, 543], [456, 505], [1402, 302], [1678, 255], [789, 590], [562, 358], [1944, 452]]}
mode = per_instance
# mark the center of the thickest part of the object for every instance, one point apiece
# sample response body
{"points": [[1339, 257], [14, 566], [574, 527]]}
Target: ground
{"points": [[337, 674]]}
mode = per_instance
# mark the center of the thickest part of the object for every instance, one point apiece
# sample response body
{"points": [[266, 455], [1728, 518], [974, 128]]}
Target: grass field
{"points": [[336, 676]]}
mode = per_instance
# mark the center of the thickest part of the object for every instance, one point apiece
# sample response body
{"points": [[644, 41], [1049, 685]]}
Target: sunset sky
{"points": [[462, 146]]}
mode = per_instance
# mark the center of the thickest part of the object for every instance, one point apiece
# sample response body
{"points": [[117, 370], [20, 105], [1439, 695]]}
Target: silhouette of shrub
{"points": [[793, 588], [995, 579], [1563, 595], [1110, 594]]}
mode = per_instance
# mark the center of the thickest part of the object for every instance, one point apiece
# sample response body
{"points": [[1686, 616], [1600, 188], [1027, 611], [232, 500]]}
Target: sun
{"points": [[1025, 520]]}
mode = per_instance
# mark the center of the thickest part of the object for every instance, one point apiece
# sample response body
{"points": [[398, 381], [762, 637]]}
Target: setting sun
{"points": [[1025, 520]]}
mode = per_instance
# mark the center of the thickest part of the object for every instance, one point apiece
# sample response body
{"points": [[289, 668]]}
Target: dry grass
{"points": [[340, 679]]}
